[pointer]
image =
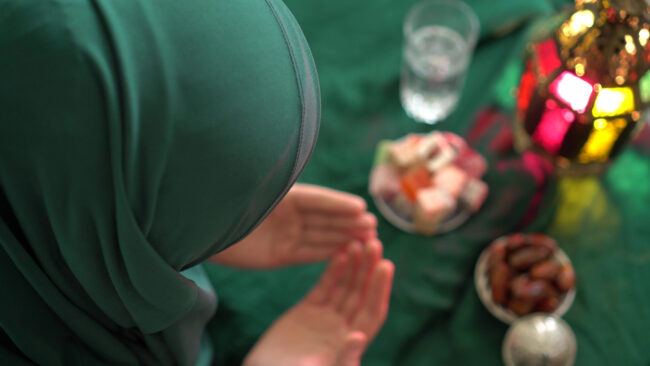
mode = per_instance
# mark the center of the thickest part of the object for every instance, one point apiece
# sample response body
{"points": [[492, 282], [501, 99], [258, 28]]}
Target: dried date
{"points": [[524, 258], [531, 290], [566, 278], [497, 254], [515, 241], [499, 276], [520, 307], [546, 270], [548, 305]]}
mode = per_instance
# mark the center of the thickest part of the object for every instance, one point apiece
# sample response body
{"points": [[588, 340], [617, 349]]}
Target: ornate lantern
{"points": [[585, 85]]}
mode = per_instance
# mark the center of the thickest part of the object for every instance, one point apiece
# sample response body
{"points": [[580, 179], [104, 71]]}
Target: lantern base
{"points": [[563, 167]]}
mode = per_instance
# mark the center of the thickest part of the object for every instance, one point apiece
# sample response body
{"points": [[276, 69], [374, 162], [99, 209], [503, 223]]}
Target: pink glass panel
{"points": [[554, 124]]}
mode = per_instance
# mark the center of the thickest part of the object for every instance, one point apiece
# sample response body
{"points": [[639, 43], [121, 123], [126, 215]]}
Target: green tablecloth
{"points": [[435, 316]]}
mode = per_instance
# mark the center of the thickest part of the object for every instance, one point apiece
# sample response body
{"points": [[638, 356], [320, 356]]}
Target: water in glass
{"points": [[435, 59]]}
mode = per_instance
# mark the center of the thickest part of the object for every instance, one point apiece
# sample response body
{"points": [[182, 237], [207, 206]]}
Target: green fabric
{"points": [[436, 317], [138, 138], [197, 274]]}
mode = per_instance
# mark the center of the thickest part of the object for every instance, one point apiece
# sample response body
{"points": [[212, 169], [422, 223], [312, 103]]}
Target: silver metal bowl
{"points": [[539, 340], [481, 282]]}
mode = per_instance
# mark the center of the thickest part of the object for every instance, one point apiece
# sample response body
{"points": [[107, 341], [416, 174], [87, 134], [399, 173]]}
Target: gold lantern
{"points": [[586, 85]]}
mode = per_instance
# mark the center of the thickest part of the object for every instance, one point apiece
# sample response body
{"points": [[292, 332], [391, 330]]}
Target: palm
{"points": [[310, 224], [282, 231], [337, 319]]}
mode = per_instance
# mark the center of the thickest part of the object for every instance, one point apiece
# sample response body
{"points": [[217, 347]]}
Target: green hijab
{"points": [[137, 139]]}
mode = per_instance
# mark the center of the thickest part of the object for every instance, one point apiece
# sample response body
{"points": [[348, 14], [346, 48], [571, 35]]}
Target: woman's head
{"points": [[140, 137]]}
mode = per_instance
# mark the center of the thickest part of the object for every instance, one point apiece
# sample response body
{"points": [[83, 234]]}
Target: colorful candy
{"points": [[414, 181], [384, 182], [474, 193], [443, 158], [471, 162], [431, 206], [451, 179], [434, 166], [403, 206], [431, 145], [403, 153]]}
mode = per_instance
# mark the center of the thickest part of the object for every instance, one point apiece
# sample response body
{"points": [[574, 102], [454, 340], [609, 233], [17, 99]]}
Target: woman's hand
{"points": [[338, 318], [310, 224]]}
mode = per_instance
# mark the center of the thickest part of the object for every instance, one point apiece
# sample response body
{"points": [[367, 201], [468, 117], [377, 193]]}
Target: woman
{"points": [[139, 139]]}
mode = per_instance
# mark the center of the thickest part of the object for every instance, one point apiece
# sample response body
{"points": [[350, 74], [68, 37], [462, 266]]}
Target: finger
{"points": [[379, 289], [348, 277], [363, 221], [372, 255], [363, 235], [326, 237], [352, 350], [380, 247], [311, 198], [314, 253], [372, 314], [321, 291]]}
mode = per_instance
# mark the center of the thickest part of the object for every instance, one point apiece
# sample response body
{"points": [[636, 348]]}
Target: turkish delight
{"points": [[452, 179], [472, 163], [443, 158], [385, 182], [432, 205], [474, 194], [423, 178], [403, 206], [403, 153]]}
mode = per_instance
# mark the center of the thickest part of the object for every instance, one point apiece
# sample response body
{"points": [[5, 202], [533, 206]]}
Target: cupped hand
{"points": [[337, 319], [310, 224]]}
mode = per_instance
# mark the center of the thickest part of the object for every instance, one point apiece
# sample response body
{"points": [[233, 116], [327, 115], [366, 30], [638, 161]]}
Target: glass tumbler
{"points": [[439, 39]]}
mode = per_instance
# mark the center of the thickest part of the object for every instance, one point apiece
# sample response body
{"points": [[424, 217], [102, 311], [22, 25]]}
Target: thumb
{"points": [[352, 350]]}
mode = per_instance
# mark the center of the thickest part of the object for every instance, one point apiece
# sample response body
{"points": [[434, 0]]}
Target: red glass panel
{"points": [[527, 87], [547, 57]]}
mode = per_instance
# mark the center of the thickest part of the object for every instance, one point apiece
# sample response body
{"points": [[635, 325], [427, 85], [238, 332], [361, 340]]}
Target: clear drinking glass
{"points": [[439, 39]]}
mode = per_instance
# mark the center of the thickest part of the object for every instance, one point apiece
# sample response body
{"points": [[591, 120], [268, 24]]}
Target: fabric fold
{"points": [[137, 139]]}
